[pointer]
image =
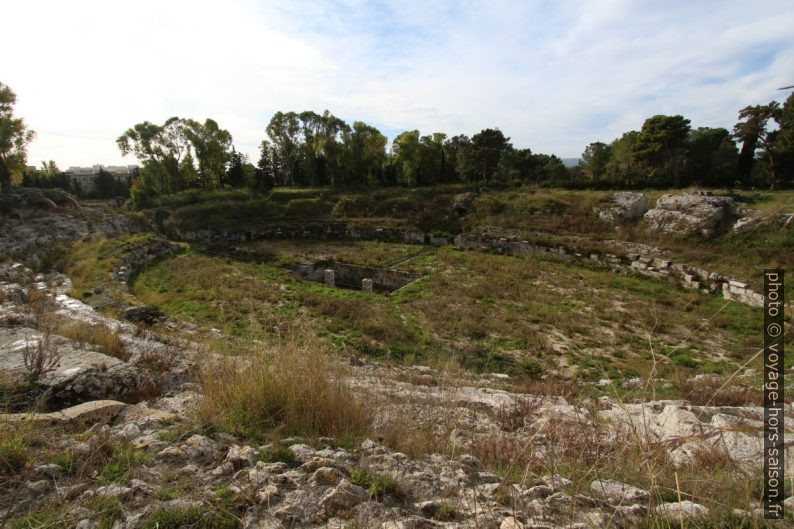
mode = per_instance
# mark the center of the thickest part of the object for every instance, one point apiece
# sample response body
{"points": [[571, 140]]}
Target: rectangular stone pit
{"points": [[345, 275]]}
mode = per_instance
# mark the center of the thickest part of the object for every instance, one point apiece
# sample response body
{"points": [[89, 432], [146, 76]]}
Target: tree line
{"points": [[668, 152], [311, 149]]}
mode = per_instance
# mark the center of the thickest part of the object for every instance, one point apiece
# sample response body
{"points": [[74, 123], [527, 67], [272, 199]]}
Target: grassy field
{"points": [[551, 215], [485, 312]]}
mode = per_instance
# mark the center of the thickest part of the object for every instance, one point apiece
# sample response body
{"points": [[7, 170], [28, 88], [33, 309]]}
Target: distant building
{"points": [[84, 178]]}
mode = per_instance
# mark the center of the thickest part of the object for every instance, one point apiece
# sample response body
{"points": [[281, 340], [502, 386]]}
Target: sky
{"points": [[552, 75]]}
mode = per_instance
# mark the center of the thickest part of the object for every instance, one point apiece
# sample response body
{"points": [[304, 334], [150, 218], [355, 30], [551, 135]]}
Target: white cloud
{"points": [[553, 75]]}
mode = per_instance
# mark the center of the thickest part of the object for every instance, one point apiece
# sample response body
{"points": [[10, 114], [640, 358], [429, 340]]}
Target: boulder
{"points": [[344, 496], [626, 206], [690, 213], [144, 314], [241, 456], [463, 204], [617, 493], [673, 512]]}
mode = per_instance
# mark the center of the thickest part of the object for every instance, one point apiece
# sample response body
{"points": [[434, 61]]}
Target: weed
{"points": [[14, 453], [122, 461], [40, 356], [276, 453], [378, 485], [177, 518], [295, 390]]}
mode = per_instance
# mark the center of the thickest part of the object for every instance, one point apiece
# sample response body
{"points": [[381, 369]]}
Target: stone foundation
{"points": [[356, 277], [686, 276]]}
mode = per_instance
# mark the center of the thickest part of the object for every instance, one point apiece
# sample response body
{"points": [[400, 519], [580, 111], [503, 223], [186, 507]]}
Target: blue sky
{"points": [[553, 76]]}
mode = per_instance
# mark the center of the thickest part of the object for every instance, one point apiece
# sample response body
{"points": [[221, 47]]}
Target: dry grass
{"points": [[40, 356], [295, 389], [709, 392], [107, 341]]}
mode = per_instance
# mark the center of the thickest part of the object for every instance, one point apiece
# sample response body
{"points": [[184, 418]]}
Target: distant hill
{"points": [[571, 162]]}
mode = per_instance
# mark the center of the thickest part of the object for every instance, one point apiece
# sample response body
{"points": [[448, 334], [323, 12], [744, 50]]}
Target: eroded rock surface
{"points": [[626, 206], [691, 212]]}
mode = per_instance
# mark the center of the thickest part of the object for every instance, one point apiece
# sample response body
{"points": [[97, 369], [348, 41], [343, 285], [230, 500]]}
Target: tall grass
{"points": [[293, 389], [107, 341]]}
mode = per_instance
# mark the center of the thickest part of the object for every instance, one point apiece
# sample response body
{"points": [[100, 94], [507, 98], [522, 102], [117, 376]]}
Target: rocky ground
{"points": [[328, 483], [105, 411]]}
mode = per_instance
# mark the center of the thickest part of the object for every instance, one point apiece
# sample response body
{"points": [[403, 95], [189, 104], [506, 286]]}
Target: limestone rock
{"points": [[200, 448], [241, 456], [344, 496], [326, 476], [674, 511], [688, 213], [626, 206], [618, 493]]}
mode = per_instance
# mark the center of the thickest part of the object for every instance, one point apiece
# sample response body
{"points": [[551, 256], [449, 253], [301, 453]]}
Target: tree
{"points": [[212, 147], [364, 154], [405, 157], [160, 148], [105, 184], [621, 168], [480, 159], [595, 159], [712, 157], [264, 176], [453, 147], [283, 131], [752, 131], [188, 174], [661, 148], [235, 176], [784, 142], [14, 138]]}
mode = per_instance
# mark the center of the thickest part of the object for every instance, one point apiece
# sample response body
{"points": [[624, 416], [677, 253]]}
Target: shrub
{"points": [[40, 356], [399, 207], [306, 208], [531, 367], [378, 485], [684, 360], [352, 206], [14, 453], [123, 459], [295, 390], [276, 454]]}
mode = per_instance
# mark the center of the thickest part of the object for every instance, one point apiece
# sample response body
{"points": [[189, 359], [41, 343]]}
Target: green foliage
{"points": [[65, 460], [684, 360], [378, 485], [105, 511], [306, 208], [14, 453], [277, 453], [661, 148], [124, 458], [351, 206], [14, 138], [531, 367], [192, 518]]}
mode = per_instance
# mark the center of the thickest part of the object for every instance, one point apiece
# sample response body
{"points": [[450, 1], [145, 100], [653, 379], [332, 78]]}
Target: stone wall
{"points": [[138, 257], [351, 276], [325, 231], [685, 275]]}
